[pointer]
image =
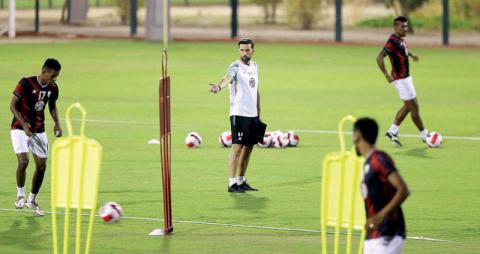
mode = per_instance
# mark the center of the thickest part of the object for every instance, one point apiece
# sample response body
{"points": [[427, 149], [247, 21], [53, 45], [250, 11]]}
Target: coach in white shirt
{"points": [[242, 79]]}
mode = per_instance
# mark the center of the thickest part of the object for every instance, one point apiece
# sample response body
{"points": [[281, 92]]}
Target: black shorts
{"points": [[244, 130]]}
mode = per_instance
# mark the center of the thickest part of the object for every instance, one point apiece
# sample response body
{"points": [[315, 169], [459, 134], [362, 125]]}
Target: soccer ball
{"points": [[111, 212], [267, 140], [280, 139], [434, 139], [225, 139], [193, 140], [293, 138]]}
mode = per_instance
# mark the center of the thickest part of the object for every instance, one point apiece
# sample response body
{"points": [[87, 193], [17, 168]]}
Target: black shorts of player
{"points": [[244, 130]]}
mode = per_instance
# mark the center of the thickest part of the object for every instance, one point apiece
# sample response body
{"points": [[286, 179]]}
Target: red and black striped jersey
{"points": [[377, 192], [396, 49], [33, 99]]}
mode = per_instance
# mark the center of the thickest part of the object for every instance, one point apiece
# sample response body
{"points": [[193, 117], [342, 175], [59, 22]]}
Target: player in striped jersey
{"points": [[30, 97], [400, 78]]}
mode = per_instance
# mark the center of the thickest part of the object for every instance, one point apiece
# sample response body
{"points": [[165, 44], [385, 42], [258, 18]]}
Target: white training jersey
{"points": [[243, 89]]}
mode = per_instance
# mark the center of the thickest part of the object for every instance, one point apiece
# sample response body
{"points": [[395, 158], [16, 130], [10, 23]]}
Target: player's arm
{"points": [[13, 107], [401, 194], [215, 88], [413, 56], [52, 106], [258, 106], [381, 65]]}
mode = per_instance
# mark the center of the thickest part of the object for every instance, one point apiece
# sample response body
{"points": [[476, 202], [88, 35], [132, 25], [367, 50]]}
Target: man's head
{"points": [[400, 25], [246, 47], [365, 132], [50, 71]]}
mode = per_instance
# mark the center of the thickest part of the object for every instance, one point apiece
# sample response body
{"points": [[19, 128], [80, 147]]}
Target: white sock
{"points": [[32, 197], [424, 133], [232, 181], [21, 191], [240, 180], [393, 129]]}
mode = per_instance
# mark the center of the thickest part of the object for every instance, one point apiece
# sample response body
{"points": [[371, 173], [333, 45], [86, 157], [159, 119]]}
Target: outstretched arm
{"points": [[215, 88], [413, 56], [381, 65]]}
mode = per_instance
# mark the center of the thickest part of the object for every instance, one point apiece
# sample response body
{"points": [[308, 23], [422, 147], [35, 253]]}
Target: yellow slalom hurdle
{"points": [[75, 179], [342, 205]]}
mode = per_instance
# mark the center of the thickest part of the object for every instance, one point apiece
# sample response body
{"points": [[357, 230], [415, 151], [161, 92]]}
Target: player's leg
{"points": [[392, 133], [233, 167], [37, 180], [417, 119], [21, 173], [236, 124], [20, 147], [38, 144], [244, 160]]}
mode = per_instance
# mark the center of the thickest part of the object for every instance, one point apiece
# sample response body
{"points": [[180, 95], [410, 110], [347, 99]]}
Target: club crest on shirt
{"points": [[39, 105], [251, 82]]}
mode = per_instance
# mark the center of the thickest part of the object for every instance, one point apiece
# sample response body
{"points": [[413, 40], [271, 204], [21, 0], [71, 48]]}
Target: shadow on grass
{"points": [[416, 152], [23, 237], [249, 202]]}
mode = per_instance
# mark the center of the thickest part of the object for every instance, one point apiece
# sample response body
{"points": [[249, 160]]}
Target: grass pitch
{"points": [[304, 87]]}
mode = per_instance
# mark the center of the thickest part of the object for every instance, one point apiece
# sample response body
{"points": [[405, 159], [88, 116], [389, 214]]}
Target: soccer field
{"points": [[307, 88]]}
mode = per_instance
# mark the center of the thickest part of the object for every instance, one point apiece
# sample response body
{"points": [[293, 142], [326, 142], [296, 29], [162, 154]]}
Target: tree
{"points": [[404, 8], [269, 10]]}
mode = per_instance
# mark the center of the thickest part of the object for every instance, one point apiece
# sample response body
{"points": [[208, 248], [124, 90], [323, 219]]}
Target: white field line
{"points": [[421, 238], [297, 130]]}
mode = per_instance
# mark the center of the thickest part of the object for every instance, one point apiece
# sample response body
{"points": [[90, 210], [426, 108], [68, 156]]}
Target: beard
{"points": [[357, 151], [245, 59]]}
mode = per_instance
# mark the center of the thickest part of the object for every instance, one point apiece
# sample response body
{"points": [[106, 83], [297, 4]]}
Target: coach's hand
{"points": [[26, 129], [57, 130], [214, 88], [389, 78]]}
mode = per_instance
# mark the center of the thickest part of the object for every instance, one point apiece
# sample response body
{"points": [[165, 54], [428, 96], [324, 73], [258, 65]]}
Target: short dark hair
{"points": [[400, 19], [52, 64], [368, 128], [246, 41]]}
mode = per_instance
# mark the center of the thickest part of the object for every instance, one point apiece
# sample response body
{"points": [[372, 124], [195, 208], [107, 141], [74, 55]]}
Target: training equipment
{"points": [[153, 142], [293, 138], [434, 139], [280, 139], [342, 205], [193, 140], [165, 148], [225, 139], [267, 140], [111, 212], [75, 177]]}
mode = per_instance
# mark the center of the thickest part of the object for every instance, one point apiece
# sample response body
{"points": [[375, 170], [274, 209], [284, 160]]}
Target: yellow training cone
{"points": [[75, 177], [342, 205]]}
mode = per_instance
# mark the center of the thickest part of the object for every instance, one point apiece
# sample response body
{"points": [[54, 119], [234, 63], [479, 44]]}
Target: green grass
{"points": [[303, 87], [425, 23]]}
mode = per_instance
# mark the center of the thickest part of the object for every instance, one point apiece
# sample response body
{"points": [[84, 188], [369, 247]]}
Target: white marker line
{"points": [[421, 238], [298, 130], [401, 135]]}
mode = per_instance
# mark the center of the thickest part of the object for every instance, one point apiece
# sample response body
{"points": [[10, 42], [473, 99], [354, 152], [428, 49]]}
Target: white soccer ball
{"points": [[193, 140], [111, 212], [225, 139], [293, 138], [267, 140], [434, 139], [280, 139]]}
